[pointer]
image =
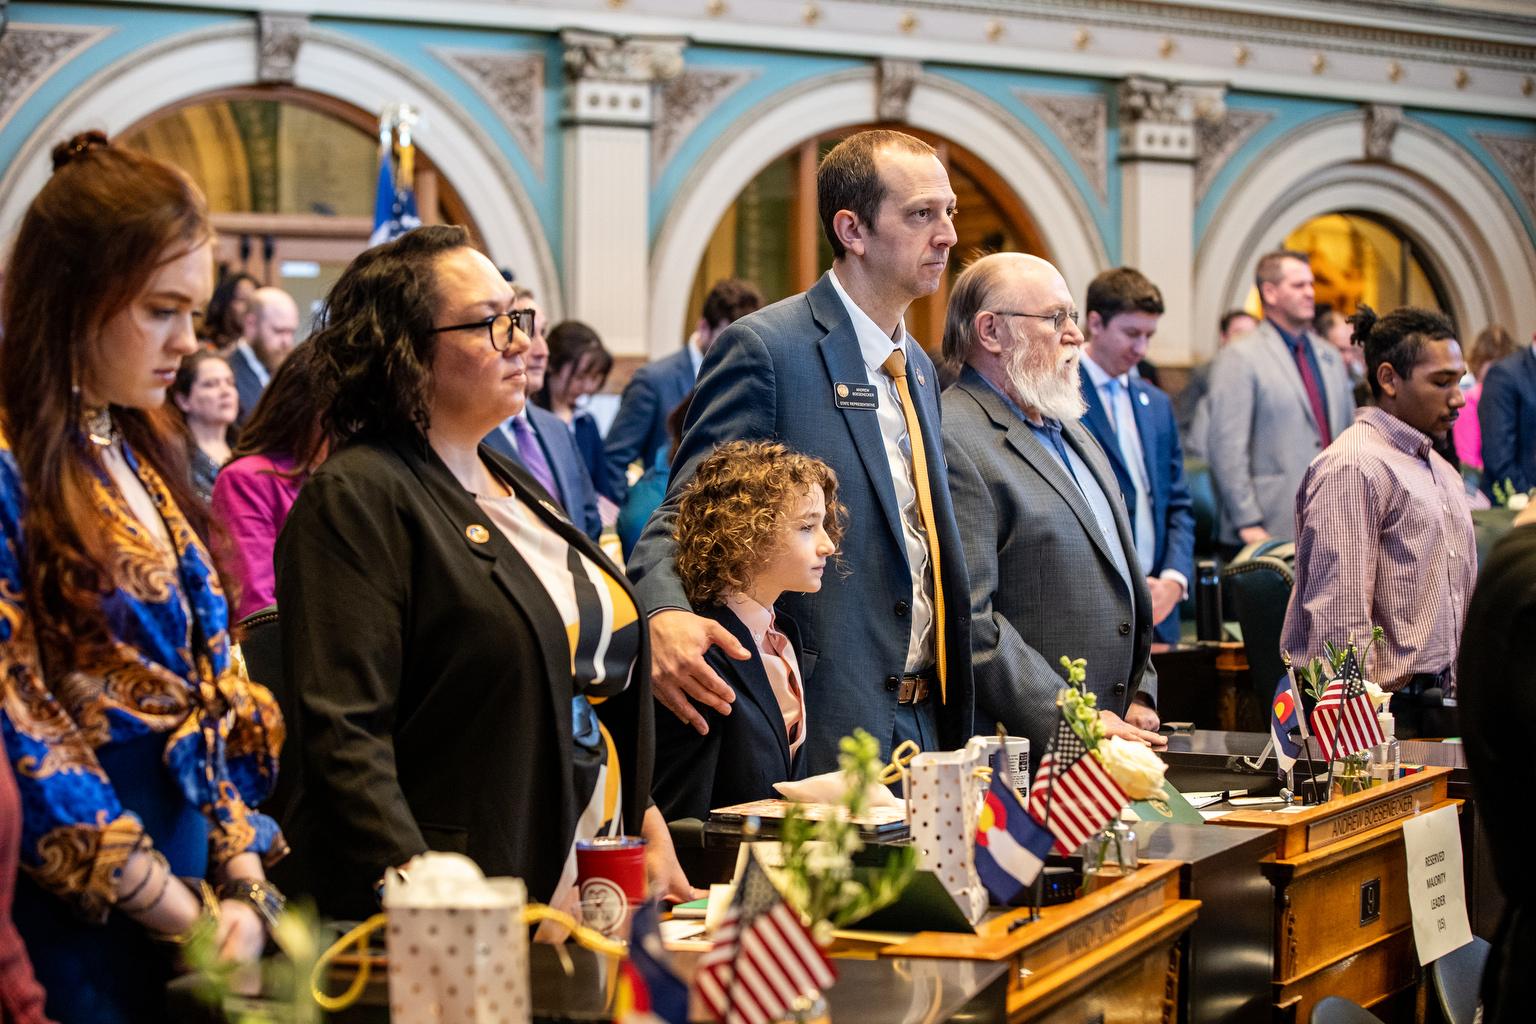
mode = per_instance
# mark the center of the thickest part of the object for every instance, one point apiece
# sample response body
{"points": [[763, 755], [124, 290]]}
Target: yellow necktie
{"points": [[896, 366]]}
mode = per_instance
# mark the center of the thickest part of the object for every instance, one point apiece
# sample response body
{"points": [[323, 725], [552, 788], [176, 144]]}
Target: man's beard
{"points": [[1050, 390]]}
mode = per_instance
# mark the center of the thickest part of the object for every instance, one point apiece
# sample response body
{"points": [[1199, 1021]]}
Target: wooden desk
{"points": [[1114, 955], [1342, 924]]}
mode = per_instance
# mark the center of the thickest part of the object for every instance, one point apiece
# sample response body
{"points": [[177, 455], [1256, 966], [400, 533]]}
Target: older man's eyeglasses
{"points": [[498, 327], [1058, 319]]}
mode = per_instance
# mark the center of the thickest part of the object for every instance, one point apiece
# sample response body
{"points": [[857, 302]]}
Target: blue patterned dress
{"points": [[125, 728]]}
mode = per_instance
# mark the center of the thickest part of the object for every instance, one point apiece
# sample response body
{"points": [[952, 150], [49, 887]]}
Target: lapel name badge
{"points": [[921, 380], [855, 396], [1143, 396], [477, 533]]}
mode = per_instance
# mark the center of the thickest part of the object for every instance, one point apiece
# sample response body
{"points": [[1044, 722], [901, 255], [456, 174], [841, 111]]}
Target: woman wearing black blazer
{"points": [[443, 625], [755, 520]]}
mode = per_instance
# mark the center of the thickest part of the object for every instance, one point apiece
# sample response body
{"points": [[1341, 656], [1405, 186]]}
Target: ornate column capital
{"points": [[278, 38], [612, 80], [1159, 119], [896, 79], [1381, 124]]}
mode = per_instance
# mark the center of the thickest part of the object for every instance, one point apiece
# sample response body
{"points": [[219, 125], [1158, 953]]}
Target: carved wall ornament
{"points": [[1516, 156], [1158, 118], [995, 30], [682, 105], [1219, 140], [278, 38], [30, 53], [1081, 123], [1381, 123], [894, 83], [512, 84], [595, 56]]}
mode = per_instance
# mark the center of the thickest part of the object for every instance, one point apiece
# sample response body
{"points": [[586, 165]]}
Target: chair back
{"points": [[1258, 584], [1197, 474], [1458, 978], [1338, 1010]]}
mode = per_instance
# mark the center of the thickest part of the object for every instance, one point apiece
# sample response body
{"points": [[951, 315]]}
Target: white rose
{"points": [[1518, 501], [1133, 766], [1379, 697]]}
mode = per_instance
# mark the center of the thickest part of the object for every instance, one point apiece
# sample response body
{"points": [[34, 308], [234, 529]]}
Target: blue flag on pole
{"points": [[649, 992], [1010, 847], [394, 203], [1285, 715]]}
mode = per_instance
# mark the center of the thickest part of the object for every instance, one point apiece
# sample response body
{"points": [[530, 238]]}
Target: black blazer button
{"points": [[892, 683], [902, 607], [1119, 689], [1125, 629]]}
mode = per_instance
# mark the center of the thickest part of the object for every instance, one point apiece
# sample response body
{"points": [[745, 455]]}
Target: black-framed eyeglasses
{"points": [[499, 327], [1058, 319]]}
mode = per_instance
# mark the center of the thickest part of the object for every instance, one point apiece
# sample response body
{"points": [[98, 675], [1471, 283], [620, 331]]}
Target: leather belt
{"points": [[915, 687]]}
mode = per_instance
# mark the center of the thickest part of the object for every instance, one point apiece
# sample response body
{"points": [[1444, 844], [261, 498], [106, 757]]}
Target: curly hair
{"points": [[732, 516], [376, 343]]}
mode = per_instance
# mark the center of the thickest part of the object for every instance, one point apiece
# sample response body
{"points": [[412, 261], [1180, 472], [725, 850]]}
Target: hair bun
{"points": [[68, 152], [1363, 320]]}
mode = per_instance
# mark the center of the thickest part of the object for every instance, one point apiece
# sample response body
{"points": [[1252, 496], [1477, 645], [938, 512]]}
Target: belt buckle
{"points": [[913, 689]]}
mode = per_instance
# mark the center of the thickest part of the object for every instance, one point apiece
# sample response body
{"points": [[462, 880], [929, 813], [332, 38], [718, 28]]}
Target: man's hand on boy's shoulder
{"points": [[679, 642]]}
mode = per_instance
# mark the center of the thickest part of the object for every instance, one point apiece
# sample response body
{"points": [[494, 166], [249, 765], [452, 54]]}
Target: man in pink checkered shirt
{"points": [[1383, 527]]}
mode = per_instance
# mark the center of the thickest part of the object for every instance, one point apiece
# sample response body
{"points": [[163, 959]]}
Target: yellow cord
{"points": [[532, 914], [900, 758]]}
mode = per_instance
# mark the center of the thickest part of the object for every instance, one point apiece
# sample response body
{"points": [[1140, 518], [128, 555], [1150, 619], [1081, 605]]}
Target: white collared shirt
{"points": [[695, 354], [875, 346]]}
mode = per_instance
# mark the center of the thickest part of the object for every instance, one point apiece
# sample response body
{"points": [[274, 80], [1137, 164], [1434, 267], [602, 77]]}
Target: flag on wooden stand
{"points": [[1344, 720], [1285, 713], [763, 959], [1073, 795], [1010, 848], [649, 992]]}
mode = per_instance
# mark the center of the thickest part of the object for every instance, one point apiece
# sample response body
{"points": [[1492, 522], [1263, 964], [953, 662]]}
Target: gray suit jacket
{"points": [[1261, 435], [1043, 582], [773, 374]]}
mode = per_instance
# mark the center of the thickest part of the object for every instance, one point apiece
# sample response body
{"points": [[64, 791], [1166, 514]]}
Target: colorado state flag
{"points": [[1284, 716], [1010, 847]]}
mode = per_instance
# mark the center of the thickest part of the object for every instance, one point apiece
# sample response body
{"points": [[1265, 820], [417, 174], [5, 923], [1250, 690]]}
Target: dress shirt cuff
{"points": [[652, 613], [1177, 577]]}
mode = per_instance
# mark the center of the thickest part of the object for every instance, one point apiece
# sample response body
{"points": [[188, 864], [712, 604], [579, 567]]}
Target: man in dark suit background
{"points": [[1506, 412], [1134, 424], [266, 337], [833, 373], [639, 430], [540, 442], [1048, 544]]}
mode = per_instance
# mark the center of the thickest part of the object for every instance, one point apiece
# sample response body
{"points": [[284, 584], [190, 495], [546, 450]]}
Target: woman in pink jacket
{"points": [[280, 445]]}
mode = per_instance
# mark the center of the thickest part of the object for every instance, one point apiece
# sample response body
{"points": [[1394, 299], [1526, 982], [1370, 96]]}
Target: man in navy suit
{"points": [[639, 430], [266, 337], [833, 373], [1134, 423], [540, 442], [1507, 414]]}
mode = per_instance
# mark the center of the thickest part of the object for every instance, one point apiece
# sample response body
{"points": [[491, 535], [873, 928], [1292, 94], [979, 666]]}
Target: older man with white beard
{"points": [[1048, 544]]}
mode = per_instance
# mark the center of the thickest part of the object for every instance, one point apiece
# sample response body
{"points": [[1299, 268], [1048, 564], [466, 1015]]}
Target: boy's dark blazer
{"points": [[745, 753]]}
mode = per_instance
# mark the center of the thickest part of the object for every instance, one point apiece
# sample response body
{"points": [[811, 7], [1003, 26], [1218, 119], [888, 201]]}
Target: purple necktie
{"points": [[532, 454]]}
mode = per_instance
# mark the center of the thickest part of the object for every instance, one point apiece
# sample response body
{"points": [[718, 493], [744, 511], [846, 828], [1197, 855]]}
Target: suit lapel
{"points": [[845, 364], [1097, 418], [754, 681], [1285, 367], [559, 468], [497, 440], [1146, 431], [1092, 455], [1045, 463]]}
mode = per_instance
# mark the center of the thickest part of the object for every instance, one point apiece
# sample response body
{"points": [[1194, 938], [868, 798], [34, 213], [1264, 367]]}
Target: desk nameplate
{"points": [[1352, 821]]}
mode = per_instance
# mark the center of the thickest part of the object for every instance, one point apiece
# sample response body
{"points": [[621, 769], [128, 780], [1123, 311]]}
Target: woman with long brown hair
{"points": [[138, 748]]}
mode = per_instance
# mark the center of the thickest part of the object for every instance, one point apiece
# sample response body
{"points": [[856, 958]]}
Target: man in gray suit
{"points": [[1278, 397], [1048, 546], [833, 373]]}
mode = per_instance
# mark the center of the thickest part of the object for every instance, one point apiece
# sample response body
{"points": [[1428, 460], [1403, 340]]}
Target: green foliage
{"points": [[285, 997], [817, 875], [1319, 672], [1079, 706]]}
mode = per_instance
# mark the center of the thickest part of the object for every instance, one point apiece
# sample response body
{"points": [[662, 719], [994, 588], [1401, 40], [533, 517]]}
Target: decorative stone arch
{"points": [[1462, 223], [838, 101], [190, 64]]}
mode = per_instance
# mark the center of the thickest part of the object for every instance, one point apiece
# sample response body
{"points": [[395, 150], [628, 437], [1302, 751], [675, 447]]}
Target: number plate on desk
{"points": [[1370, 901]]}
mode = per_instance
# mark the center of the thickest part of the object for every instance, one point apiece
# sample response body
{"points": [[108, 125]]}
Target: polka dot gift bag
{"points": [[458, 947], [943, 792]]}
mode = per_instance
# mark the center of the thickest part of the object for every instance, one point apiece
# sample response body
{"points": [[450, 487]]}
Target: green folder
{"points": [[1171, 806]]}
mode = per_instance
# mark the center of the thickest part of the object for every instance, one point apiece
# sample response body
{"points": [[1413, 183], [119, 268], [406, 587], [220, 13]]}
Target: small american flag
{"points": [[763, 958], [1344, 720], [1073, 795]]}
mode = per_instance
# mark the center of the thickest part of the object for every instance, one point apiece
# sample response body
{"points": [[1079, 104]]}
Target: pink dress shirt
{"points": [[251, 499], [1466, 432]]}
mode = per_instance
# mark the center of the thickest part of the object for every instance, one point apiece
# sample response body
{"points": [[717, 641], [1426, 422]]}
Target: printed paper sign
{"points": [[1437, 892]]}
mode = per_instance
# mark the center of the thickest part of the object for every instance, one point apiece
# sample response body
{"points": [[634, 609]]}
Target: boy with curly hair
{"points": [[757, 519]]}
